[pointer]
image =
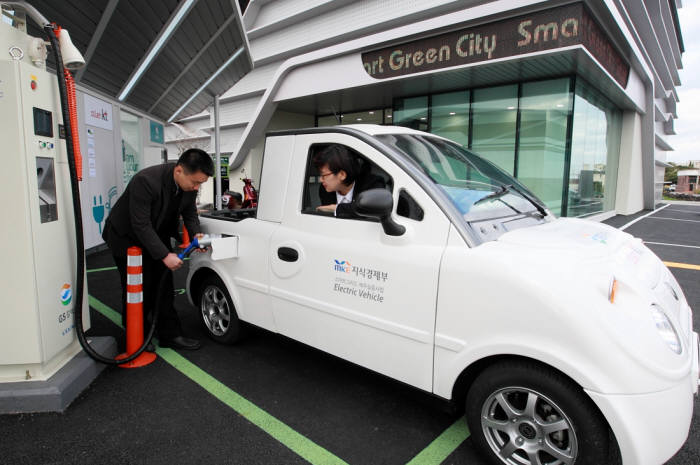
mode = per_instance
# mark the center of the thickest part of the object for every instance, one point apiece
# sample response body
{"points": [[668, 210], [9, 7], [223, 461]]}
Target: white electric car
{"points": [[567, 341]]}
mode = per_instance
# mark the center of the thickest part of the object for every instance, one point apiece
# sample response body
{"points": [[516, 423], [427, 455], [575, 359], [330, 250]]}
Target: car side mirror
{"points": [[378, 203]]}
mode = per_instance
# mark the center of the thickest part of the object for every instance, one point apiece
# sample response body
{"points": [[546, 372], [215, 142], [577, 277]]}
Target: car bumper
{"points": [[651, 428]]}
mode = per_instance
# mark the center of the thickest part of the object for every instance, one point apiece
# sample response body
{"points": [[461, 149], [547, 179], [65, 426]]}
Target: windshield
{"points": [[478, 188]]}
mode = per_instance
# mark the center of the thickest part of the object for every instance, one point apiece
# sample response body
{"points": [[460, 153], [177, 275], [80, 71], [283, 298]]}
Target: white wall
{"points": [[101, 149], [101, 186], [252, 164], [630, 194]]}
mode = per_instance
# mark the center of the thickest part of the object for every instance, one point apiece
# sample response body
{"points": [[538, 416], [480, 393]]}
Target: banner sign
{"points": [[98, 112], [156, 132], [224, 167], [544, 30]]}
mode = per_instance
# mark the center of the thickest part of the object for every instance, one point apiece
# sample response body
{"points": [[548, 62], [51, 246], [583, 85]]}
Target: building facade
{"points": [[688, 181], [576, 99]]}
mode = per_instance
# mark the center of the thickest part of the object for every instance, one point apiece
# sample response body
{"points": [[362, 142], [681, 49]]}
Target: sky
{"points": [[686, 142]]}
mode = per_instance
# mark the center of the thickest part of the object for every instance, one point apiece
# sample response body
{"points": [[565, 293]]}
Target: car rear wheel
{"points": [[217, 311], [523, 413]]}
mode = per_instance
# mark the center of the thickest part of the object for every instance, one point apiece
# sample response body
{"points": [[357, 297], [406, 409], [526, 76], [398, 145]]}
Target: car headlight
{"points": [[666, 330]]}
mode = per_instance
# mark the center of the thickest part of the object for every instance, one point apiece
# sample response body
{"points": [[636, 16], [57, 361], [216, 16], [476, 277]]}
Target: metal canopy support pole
{"points": [[97, 36], [217, 148]]}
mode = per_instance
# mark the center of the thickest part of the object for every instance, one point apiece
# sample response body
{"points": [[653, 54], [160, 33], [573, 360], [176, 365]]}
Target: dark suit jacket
{"points": [[140, 214], [362, 183]]}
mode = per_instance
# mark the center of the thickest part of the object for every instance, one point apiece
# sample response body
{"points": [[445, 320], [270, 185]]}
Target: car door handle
{"points": [[287, 254]]}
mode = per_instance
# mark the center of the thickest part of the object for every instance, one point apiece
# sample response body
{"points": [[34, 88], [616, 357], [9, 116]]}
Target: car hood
{"points": [[575, 243]]}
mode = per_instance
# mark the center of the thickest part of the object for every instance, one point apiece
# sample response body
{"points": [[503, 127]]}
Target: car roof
{"points": [[377, 129]]}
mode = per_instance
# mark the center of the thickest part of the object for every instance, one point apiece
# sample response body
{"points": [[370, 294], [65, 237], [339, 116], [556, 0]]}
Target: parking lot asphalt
{"points": [[271, 400]]}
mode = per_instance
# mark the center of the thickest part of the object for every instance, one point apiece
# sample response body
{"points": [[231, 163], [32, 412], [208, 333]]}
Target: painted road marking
{"points": [[101, 269], [304, 447], [108, 312], [683, 211], [673, 245], [622, 228], [435, 453], [301, 445], [686, 266], [672, 219], [438, 450]]}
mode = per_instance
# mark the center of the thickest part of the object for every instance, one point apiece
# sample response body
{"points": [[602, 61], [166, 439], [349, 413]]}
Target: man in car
{"points": [[342, 180]]}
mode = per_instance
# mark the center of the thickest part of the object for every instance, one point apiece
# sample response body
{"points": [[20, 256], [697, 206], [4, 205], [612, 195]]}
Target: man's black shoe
{"points": [[181, 342]]}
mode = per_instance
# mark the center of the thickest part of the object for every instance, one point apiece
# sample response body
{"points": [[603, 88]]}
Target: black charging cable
{"points": [[78, 216]]}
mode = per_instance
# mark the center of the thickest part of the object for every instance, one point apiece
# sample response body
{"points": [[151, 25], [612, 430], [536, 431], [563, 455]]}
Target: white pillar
{"points": [[217, 149], [630, 189]]}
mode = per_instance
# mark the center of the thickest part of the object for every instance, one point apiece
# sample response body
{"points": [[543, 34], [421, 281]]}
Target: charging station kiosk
{"points": [[42, 366]]}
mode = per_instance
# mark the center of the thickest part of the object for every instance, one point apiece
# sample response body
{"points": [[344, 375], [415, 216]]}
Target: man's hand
{"points": [[172, 261], [326, 208]]}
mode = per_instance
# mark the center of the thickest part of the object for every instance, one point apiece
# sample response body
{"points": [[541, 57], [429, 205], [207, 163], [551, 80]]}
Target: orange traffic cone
{"points": [[134, 310], [185, 238]]}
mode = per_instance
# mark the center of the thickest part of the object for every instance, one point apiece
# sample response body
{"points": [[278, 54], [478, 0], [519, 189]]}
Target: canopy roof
{"points": [[190, 43]]}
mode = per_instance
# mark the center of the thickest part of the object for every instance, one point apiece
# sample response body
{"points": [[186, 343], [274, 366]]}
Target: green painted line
{"points": [[102, 269], [304, 447], [301, 445], [438, 450], [109, 313]]}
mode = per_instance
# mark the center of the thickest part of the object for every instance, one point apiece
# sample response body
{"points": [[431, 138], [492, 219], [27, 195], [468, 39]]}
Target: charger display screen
{"points": [[43, 122]]}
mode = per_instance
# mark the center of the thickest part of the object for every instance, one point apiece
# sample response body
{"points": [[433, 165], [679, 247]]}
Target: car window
{"points": [[368, 175], [408, 207]]}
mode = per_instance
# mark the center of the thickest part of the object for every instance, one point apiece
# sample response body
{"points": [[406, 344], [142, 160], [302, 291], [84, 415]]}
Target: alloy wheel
{"points": [[524, 427], [215, 310]]}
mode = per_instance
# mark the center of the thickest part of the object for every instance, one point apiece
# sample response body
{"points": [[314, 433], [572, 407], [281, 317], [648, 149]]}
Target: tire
{"points": [[217, 311], [524, 413]]}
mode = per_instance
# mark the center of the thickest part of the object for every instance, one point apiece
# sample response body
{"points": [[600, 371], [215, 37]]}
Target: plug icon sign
{"points": [[98, 211]]}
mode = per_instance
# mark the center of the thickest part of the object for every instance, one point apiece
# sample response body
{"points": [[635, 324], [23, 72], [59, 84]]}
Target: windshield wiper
{"points": [[504, 189], [540, 208]]}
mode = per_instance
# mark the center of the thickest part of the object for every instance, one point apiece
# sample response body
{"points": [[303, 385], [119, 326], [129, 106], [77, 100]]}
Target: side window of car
{"points": [[367, 176], [408, 207]]}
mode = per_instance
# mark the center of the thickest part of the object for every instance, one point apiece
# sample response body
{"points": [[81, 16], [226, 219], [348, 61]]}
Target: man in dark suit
{"points": [[342, 180], [147, 215]]}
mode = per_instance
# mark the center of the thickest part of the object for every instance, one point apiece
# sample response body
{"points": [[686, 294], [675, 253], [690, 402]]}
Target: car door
{"points": [[344, 286]]}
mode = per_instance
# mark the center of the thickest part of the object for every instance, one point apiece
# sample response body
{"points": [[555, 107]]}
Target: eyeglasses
{"points": [[322, 176]]}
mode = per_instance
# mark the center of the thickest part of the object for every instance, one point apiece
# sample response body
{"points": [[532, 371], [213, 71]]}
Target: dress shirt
{"points": [[340, 198]]}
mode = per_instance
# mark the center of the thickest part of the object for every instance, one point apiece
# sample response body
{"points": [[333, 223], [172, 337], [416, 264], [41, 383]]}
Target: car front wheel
{"points": [[217, 311], [523, 413]]}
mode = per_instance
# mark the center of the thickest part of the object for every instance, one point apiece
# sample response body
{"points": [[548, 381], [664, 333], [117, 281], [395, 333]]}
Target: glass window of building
{"points": [[131, 145], [494, 116], [595, 150], [544, 113], [561, 142], [411, 113], [328, 120], [388, 116], [450, 116], [361, 117]]}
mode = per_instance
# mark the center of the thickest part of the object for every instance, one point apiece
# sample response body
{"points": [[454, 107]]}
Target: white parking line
{"points": [[683, 211], [622, 228], [672, 219], [673, 245]]}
